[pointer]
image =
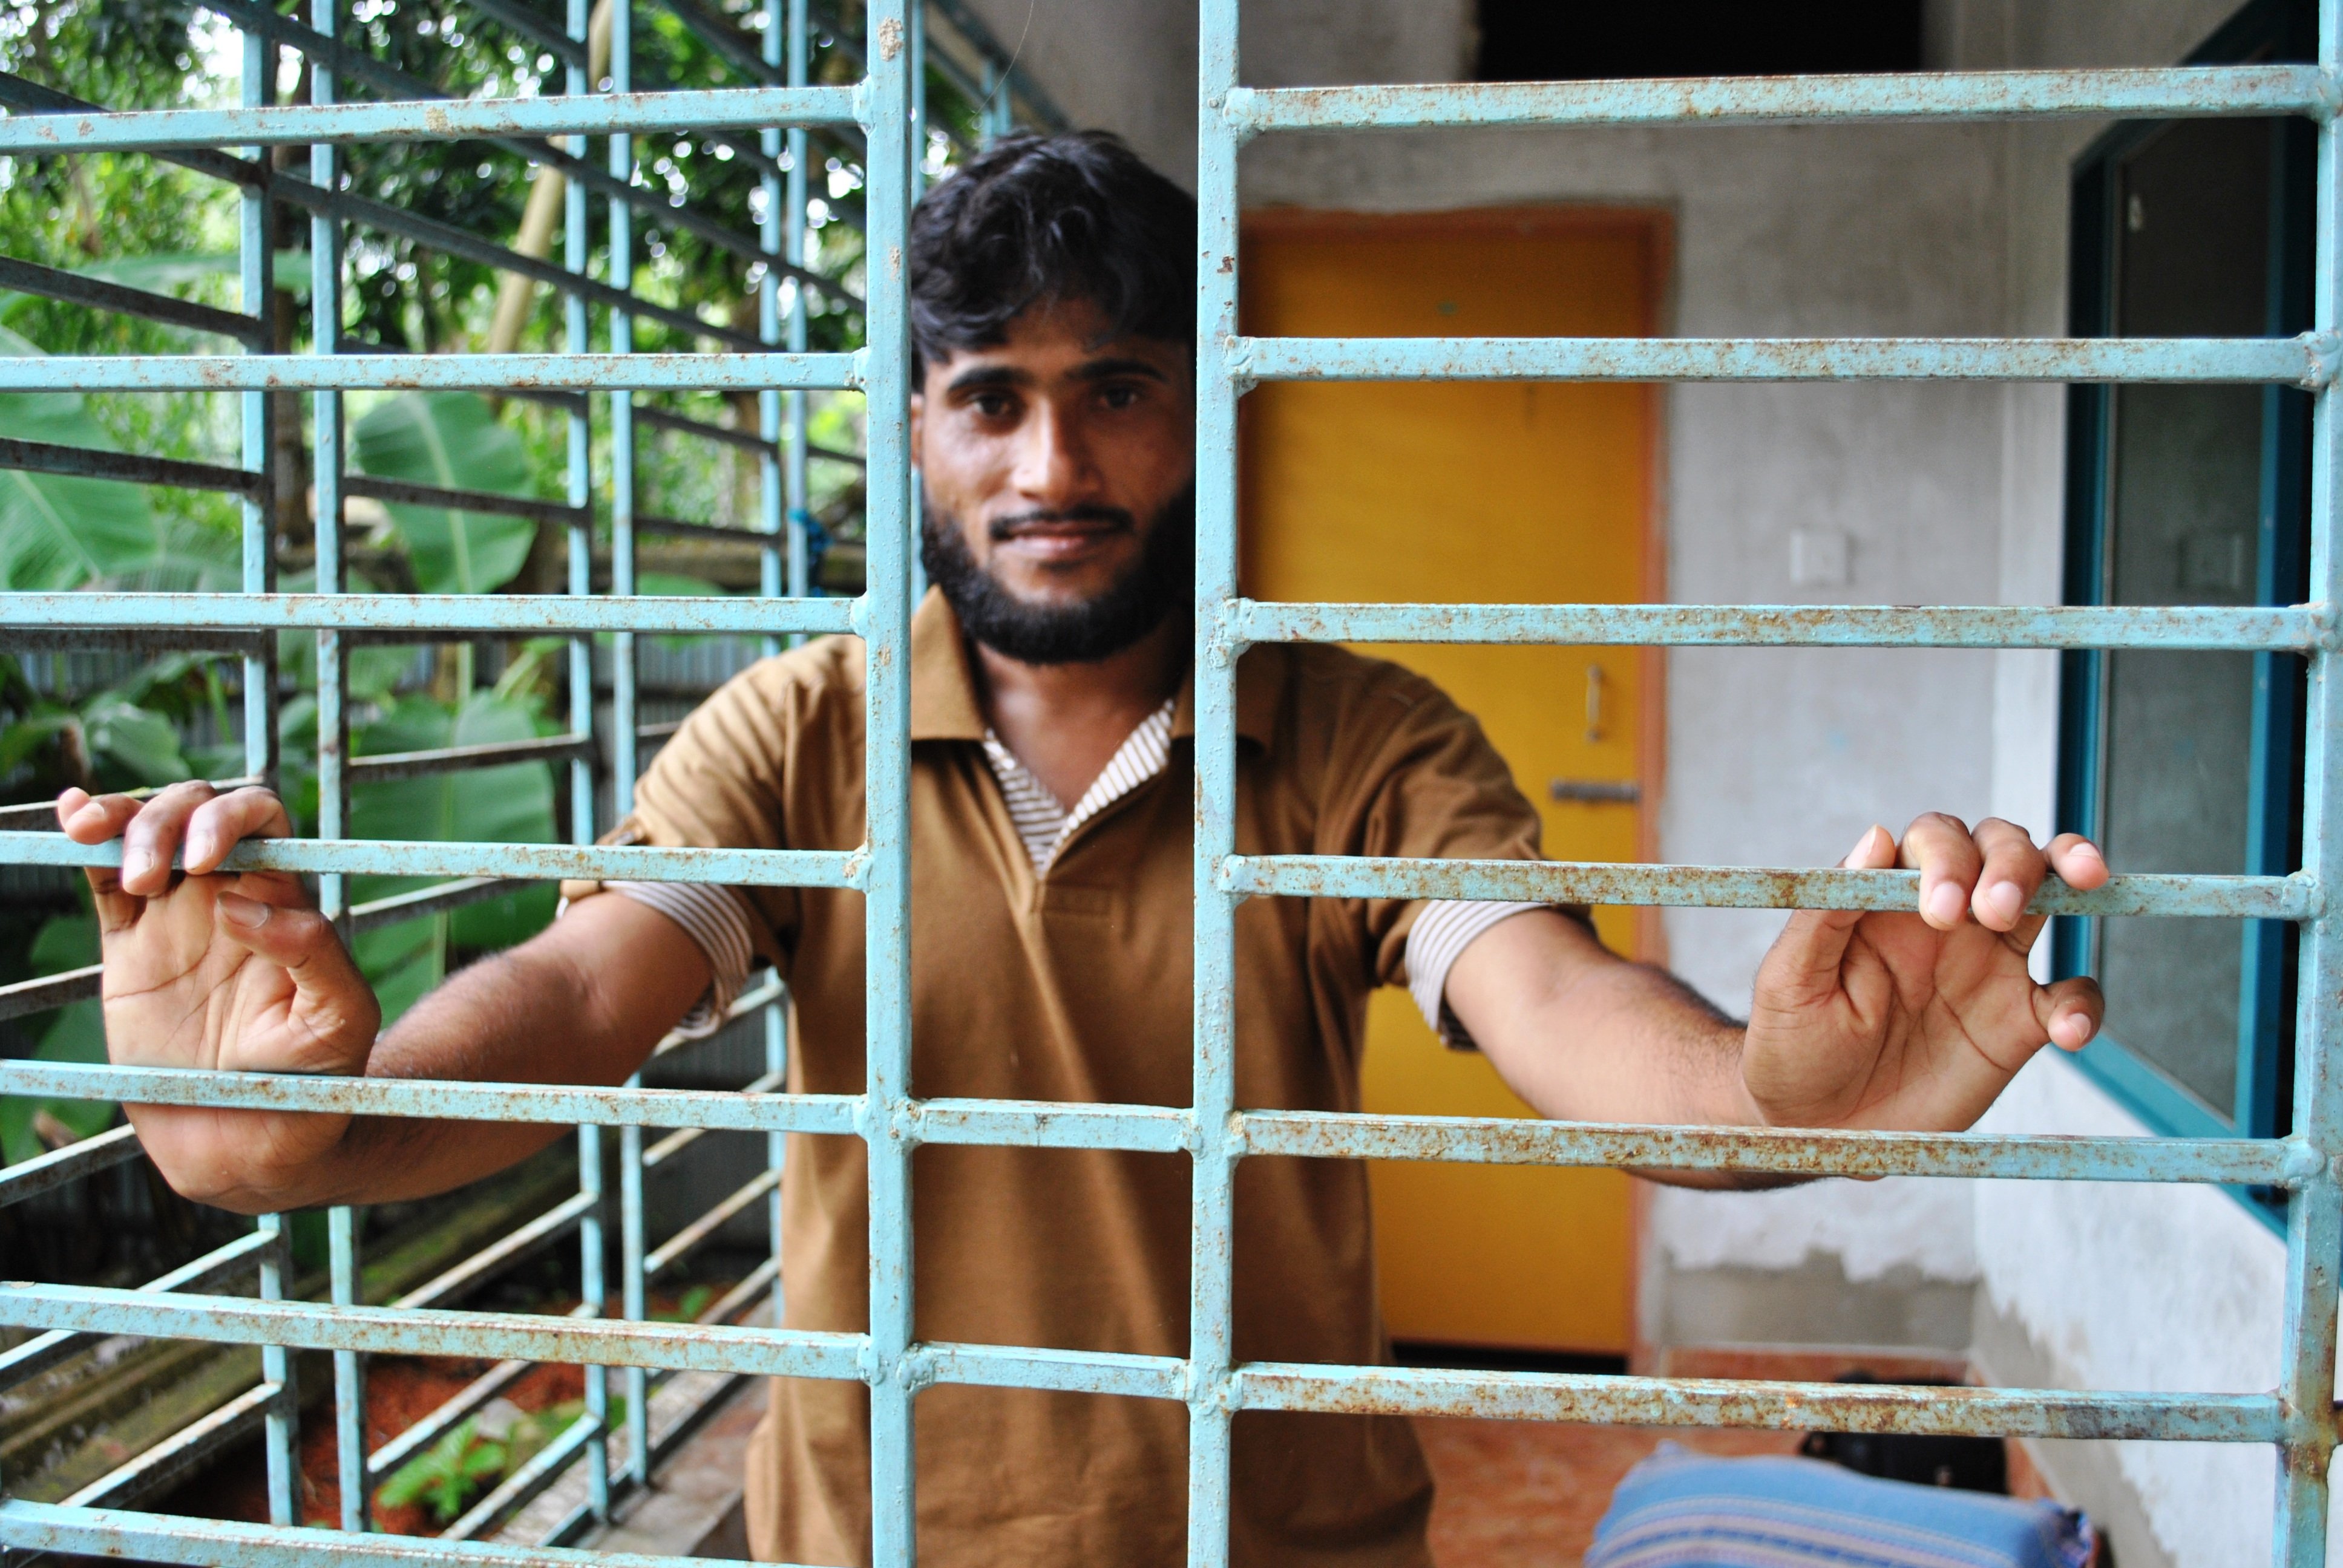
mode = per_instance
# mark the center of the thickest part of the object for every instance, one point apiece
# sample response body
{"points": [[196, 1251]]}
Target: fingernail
{"points": [[2005, 900], [1944, 903], [237, 910], [135, 862], [199, 845]]}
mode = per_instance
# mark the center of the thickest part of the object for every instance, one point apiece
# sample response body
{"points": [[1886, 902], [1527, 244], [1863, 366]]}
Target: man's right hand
{"points": [[234, 972]]}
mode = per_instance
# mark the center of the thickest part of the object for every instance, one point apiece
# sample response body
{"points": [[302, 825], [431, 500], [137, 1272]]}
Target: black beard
{"points": [[1130, 607]]}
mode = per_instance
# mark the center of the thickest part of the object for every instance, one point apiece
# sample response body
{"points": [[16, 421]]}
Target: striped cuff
{"points": [[1437, 939], [715, 918]]}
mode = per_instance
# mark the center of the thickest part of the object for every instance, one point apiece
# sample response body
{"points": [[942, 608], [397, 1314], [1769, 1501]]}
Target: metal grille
{"points": [[2296, 1419]]}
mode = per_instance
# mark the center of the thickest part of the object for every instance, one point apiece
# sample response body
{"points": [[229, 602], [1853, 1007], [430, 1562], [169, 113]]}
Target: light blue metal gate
{"points": [[2296, 1419]]}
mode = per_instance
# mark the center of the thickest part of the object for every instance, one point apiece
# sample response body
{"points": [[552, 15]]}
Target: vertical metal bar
{"points": [[918, 21], [622, 705], [592, 1243], [917, 187], [777, 1146], [2314, 1216], [772, 514], [333, 728], [280, 1429], [1211, 1268], [349, 1374], [886, 620], [256, 258], [793, 480]]}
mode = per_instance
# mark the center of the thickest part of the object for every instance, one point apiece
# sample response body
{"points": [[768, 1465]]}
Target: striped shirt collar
{"points": [[1042, 824]]}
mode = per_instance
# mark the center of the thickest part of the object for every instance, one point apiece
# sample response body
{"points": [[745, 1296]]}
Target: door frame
{"points": [[1656, 227]]}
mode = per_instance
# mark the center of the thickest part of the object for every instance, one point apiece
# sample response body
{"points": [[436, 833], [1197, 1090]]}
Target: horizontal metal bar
{"points": [[772, 990], [676, 528], [1159, 1128], [433, 120], [350, 206], [1775, 1150], [45, 992], [380, 1330], [175, 1456], [211, 1543], [376, 913], [1043, 1124], [41, 995], [684, 1242], [2307, 361], [517, 1491], [457, 758], [525, 614], [540, 863], [724, 1111], [150, 641], [740, 1297], [1782, 1406], [48, 1171], [30, 97], [746, 440], [676, 1143], [2173, 93], [427, 1431], [743, 372], [36, 1356], [2279, 628], [41, 815], [76, 288], [542, 31], [88, 462], [1076, 1372], [508, 1250], [398, 490], [2295, 897], [389, 79]]}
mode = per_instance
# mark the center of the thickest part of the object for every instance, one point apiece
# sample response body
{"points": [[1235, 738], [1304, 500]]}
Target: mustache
{"points": [[1000, 529]]}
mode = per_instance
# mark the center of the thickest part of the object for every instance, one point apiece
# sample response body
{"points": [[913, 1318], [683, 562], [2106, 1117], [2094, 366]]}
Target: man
{"points": [[1052, 286]]}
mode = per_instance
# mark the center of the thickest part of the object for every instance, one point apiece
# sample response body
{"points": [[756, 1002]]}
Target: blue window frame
{"points": [[2200, 495]]}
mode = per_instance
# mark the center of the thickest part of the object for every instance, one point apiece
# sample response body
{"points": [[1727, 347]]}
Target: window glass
{"points": [[2185, 501]]}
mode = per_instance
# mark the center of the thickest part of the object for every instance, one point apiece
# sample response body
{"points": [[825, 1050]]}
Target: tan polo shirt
{"points": [[1075, 985]]}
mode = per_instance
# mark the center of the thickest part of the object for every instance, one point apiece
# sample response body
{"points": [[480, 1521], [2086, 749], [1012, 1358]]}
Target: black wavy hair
{"points": [[1077, 215]]}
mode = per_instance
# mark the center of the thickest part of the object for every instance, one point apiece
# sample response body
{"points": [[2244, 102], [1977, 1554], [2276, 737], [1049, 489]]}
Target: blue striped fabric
{"points": [[1681, 1510]]}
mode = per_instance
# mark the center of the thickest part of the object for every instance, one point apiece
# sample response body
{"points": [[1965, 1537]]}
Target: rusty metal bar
{"points": [[49, 1172], [556, 513], [90, 462], [456, 758], [78, 289]]}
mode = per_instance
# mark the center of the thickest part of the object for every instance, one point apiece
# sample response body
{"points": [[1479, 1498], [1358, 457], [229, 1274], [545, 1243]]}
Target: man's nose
{"points": [[1054, 465]]}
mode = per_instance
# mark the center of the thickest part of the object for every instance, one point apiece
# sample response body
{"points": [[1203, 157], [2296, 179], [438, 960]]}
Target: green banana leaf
{"points": [[451, 439], [59, 530]]}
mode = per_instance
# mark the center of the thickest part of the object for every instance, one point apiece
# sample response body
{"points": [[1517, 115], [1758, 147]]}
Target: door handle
{"points": [[1596, 791]]}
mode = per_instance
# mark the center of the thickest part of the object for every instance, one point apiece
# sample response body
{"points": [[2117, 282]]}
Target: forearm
{"points": [[1583, 1035], [560, 1009]]}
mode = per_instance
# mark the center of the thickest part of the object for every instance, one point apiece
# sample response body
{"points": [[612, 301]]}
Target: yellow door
{"points": [[1460, 492]]}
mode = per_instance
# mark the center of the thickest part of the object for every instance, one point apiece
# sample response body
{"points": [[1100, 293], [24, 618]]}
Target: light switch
{"points": [[1819, 558]]}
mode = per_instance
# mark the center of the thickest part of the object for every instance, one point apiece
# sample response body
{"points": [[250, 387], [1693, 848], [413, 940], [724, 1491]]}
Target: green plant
{"points": [[445, 1475]]}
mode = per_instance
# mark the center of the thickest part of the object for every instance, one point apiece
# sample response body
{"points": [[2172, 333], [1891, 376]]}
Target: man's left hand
{"points": [[1918, 1021]]}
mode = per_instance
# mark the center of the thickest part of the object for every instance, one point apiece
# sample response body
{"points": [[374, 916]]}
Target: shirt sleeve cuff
{"points": [[1437, 939], [717, 921]]}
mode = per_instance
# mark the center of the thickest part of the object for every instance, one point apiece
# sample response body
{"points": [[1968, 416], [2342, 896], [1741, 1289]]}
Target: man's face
{"points": [[1057, 473]]}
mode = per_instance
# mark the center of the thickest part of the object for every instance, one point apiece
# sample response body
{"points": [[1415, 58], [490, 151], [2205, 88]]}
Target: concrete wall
{"points": [[1945, 495]]}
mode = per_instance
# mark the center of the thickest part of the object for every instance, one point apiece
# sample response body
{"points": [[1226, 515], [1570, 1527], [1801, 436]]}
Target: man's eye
{"points": [[991, 405], [1118, 397]]}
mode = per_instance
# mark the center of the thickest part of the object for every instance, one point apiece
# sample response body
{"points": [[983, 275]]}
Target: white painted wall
{"points": [[1947, 495]]}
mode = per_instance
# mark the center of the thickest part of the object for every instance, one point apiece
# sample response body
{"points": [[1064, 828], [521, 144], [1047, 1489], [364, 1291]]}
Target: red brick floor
{"points": [[1514, 1493]]}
